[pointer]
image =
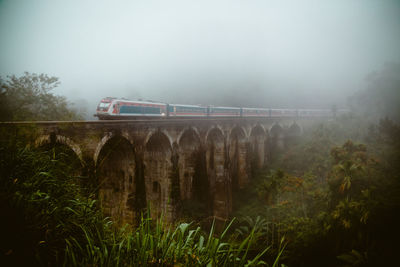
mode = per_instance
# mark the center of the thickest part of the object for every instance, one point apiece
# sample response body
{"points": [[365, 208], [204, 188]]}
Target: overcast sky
{"points": [[250, 52]]}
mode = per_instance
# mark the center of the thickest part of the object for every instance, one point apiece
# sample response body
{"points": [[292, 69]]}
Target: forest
{"points": [[331, 198]]}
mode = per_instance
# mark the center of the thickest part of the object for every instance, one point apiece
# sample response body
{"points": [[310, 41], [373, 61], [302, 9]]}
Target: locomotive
{"points": [[111, 108]]}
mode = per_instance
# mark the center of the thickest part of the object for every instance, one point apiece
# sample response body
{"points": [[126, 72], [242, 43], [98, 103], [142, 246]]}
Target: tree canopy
{"points": [[29, 97], [382, 96]]}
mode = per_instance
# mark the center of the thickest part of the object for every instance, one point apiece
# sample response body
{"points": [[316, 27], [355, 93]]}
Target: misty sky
{"points": [[236, 52]]}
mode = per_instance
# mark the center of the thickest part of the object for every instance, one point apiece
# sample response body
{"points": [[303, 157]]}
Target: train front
{"points": [[103, 110]]}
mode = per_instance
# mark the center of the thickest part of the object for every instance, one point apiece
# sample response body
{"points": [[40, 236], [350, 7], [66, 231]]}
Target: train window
{"points": [[103, 105], [190, 109], [151, 110], [131, 109]]}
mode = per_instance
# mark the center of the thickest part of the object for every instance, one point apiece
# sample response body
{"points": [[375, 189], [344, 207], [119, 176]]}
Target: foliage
{"points": [[335, 204], [51, 220], [43, 204], [29, 97], [153, 245]]}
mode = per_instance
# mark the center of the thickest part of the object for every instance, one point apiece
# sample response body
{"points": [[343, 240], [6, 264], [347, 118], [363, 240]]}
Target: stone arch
{"points": [[65, 150], [158, 168], [156, 133], [189, 146], [100, 145], [215, 151], [214, 131], [276, 130], [188, 136], [257, 146], [158, 142], [103, 141], [292, 134], [192, 131], [115, 169], [257, 130], [59, 139], [294, 130], [194, 183], [238, 158], [277, 142], [237, 132]]}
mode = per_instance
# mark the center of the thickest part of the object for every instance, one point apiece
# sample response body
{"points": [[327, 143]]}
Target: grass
{"points": [[152, 243]]}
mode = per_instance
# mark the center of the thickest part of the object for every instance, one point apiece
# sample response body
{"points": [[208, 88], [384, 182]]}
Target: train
{"points": [[111, 108]]}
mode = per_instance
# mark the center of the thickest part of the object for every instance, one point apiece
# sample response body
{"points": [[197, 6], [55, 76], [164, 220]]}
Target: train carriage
{"points": [[315, 113], [224, 112], [177, 110], [255, 112], [283, 112]]}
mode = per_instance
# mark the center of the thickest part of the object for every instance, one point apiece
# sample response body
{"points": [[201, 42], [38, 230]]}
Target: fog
{"points": [[244, 53]]}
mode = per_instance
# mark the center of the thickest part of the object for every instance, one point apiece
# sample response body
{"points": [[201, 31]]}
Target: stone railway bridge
{"points": [[164, 163]]}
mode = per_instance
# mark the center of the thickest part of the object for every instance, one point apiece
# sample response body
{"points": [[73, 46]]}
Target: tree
{"points": [[29, 97], [382, 96]]}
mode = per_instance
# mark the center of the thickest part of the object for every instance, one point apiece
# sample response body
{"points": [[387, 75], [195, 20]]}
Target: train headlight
{"points": [[162, 114]]}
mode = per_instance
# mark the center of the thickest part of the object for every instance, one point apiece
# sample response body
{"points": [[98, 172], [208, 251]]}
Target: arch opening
{"points": [[257, 148], [292, 135], [276, 130], [277, 142], [238, 158], [215, 152], [294, 130], [193, 176], [65, 154], [115, 169], [158, 143], [189, 145], [189, 139], [158, 168]]}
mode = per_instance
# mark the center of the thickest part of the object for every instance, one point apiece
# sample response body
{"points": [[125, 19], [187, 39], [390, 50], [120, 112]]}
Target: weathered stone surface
{"points": [[258, 137], [157, 174], [162, 162], [115, 172]]}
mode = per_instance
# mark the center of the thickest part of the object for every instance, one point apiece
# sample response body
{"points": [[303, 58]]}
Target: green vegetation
{"points": [[337, 202], [331, 198], [51, 219], [335, 194], [29, 97]]}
